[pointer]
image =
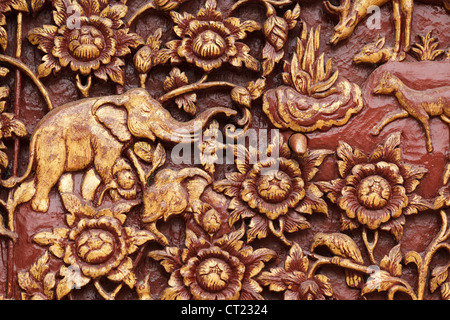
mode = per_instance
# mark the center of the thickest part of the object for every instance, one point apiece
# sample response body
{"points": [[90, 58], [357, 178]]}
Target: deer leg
{"points": [[390, 117], [425, 121], [407, 8], [397, 26], [445, 118]]}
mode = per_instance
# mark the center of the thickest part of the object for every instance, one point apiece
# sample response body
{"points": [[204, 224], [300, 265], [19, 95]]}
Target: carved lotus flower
{"points": [[294, 279], [89, 36], [208, 40], [376, 191], [221, 270], [274, 191]]}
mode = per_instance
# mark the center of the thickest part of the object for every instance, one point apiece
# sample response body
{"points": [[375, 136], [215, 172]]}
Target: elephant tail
{"points": [[13, 181]]}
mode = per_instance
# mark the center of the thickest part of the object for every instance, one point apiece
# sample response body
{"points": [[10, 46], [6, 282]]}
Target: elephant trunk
{"points": [[187, 132]]}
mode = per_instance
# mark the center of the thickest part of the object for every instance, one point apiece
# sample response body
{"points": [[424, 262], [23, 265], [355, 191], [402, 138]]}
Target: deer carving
{"points": [[420, 105], [350, 15], [375, 52]]}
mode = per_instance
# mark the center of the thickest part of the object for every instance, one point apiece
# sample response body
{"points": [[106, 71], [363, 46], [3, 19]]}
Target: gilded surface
{"points": [[181, 149]]}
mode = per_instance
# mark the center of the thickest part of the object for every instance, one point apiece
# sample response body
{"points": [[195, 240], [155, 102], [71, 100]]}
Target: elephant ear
{"points": [[115, 119]]}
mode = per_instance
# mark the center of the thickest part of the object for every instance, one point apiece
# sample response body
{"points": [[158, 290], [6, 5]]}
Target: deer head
{"points": [[373, 52], [387, 84], [346, 23]]}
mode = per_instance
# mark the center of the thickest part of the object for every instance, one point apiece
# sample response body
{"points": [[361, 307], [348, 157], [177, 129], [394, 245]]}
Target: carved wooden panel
{"points": [[251, 149]]}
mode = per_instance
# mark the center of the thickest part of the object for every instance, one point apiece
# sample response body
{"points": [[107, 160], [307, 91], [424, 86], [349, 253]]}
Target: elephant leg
{"points": [[49, 169], [104, 162]]}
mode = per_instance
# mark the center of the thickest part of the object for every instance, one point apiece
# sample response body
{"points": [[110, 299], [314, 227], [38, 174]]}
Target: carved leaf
{"points": [[392, 262], [339, 244], [445, 291], [38, 280], [170, 258], [137, 238], [379, 281], [414, 257], [56, 239], [124, 273], [22, 194], [143, 150], [75, 206], [291, 16], [40, 268], [343, 246], [159, 156], [72, 279], [256, 88], [3, 38], [438, 276]]}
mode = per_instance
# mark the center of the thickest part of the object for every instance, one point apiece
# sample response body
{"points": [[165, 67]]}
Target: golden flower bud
{"points": [[276, 31], [143, 60], [242, 96], [211, 221]]}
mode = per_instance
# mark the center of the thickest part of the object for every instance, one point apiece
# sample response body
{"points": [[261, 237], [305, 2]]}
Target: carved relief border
{"points": [[223, 151]]}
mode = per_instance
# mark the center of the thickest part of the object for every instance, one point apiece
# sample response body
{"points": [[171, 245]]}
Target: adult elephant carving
{"points": [[95, 131]]}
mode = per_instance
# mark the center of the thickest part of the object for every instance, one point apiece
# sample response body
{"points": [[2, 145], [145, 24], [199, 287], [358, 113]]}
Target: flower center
{"points": [[95, 246], [86, 43], [374, 192], [208, 45], [213, 274], [274, 186]]}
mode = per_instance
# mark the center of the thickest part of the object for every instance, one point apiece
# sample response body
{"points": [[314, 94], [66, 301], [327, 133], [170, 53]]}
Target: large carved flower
{"points": [[96, 244], [208, 40], [219, 270], [273, 191], [89, 36], [294, 279], [376, 191]]}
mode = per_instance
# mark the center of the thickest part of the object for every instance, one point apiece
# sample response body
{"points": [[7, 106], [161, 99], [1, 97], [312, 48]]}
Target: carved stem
{"points": [[193, 87], [370, 246], [141, 10], [15, 166], [406, 289], [24, 68], [104, 294], [337, 261], [435, 245], [84, 87]]}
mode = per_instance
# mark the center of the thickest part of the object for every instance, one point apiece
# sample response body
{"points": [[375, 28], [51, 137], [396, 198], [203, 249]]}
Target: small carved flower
{"points": [[294, 279], [222, 270], [208, 40], [97, 246], [89, 36], [273, 191], [376, 191]]}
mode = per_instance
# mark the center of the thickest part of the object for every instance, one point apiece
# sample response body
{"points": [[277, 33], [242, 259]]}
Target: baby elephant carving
{"points": [[420, 105], [172, 193], [95, 132]]}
